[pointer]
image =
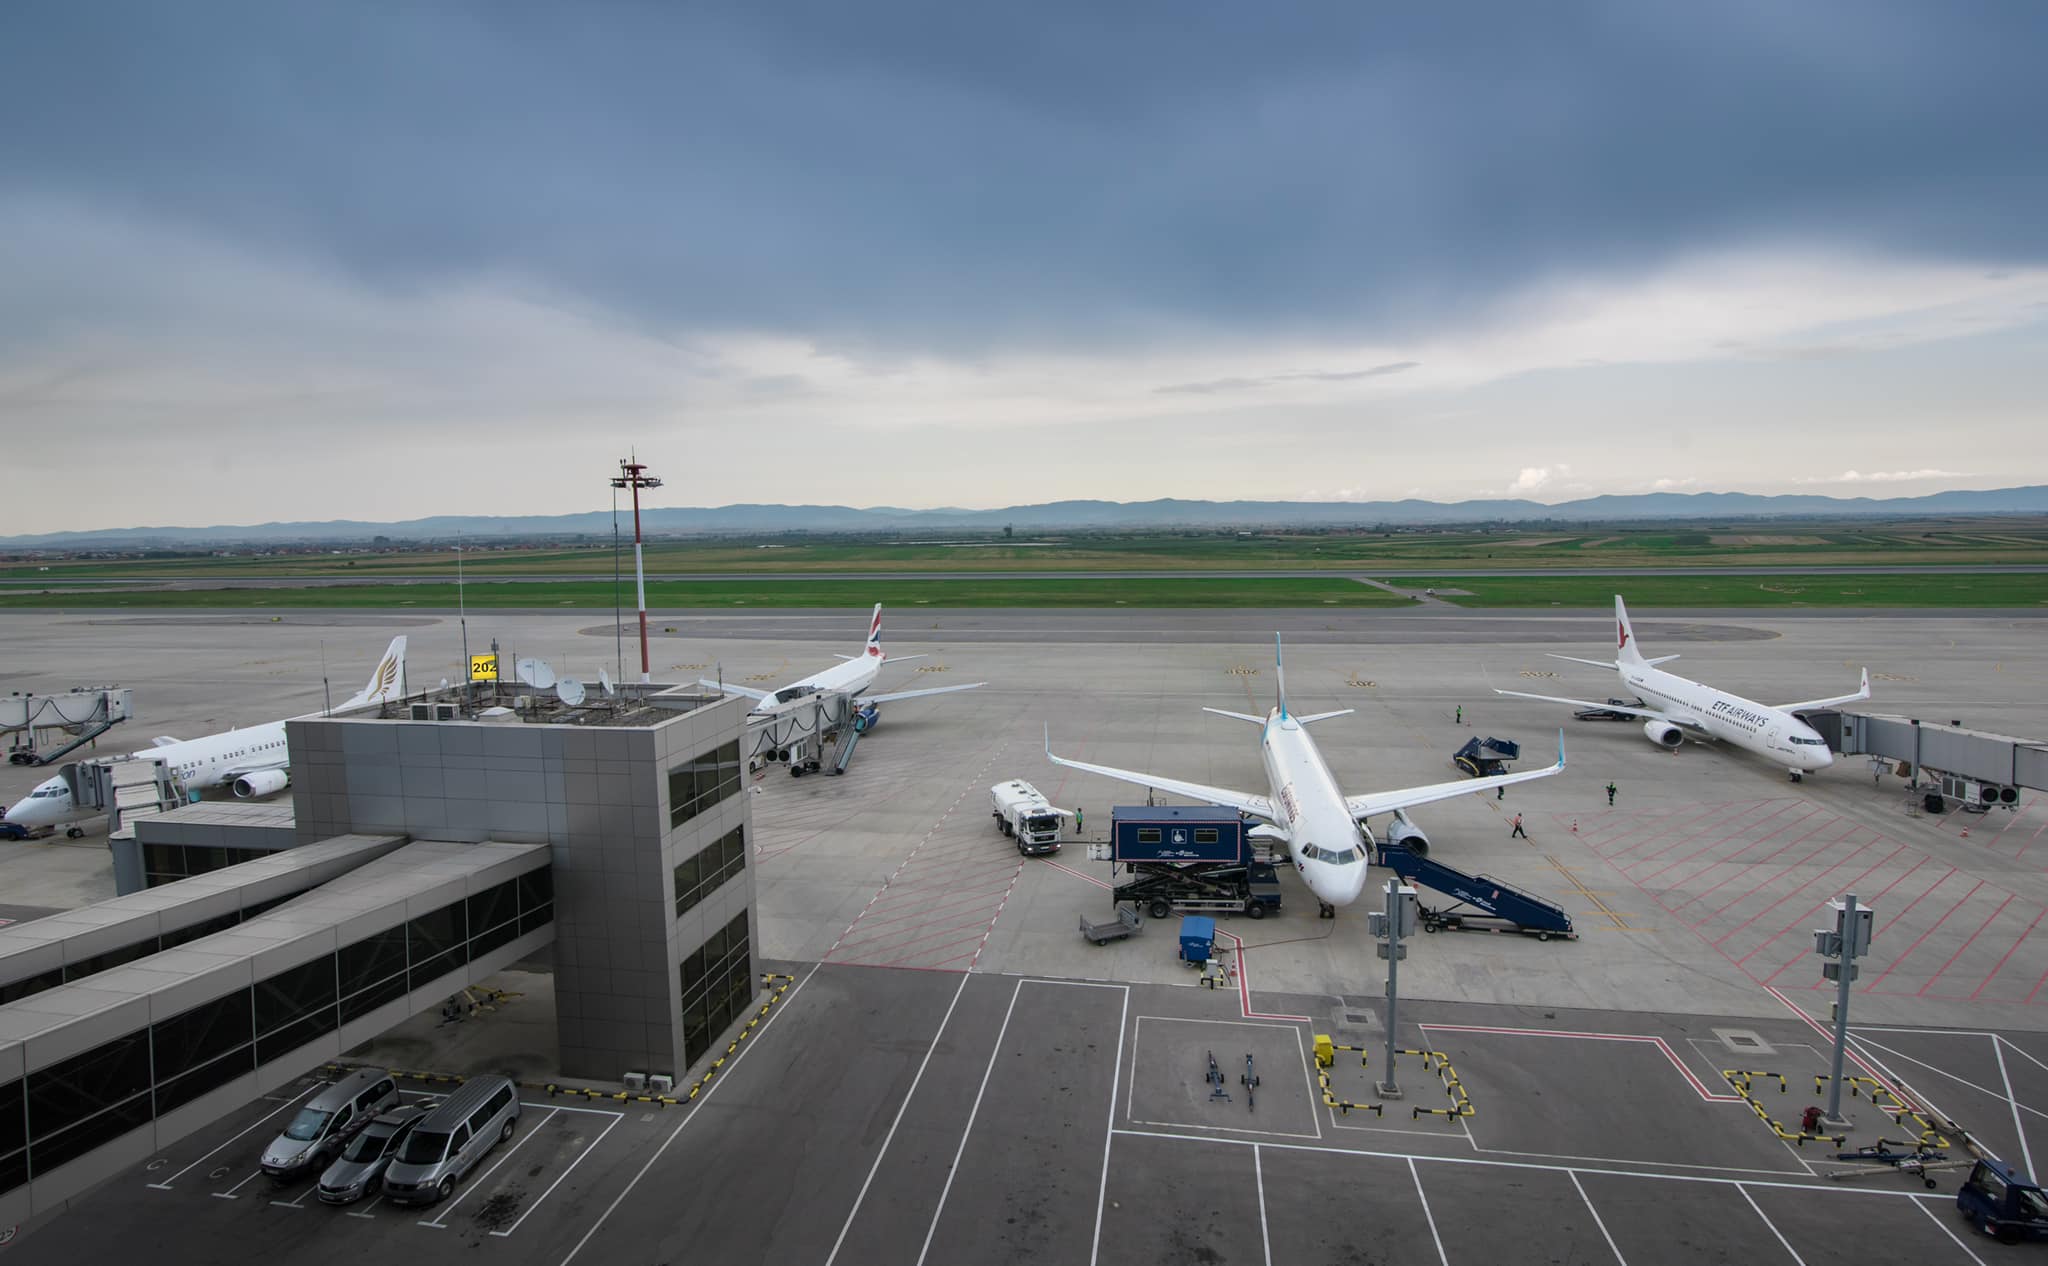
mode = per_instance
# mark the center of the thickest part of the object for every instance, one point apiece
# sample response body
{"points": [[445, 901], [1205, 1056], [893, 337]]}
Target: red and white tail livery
{"points": [[853, 676], [1674, 707]]}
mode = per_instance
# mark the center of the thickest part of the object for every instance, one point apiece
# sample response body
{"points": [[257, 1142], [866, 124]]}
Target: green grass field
{"points": [[992, 592], [2024, 590], [1890, 544]]}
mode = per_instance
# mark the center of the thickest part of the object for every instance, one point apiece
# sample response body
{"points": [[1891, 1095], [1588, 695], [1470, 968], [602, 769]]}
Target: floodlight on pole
{"points": [[632, 474]]}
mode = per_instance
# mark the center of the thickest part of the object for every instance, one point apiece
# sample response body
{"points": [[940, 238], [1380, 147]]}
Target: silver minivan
{"points": [[449, 1141], [328, 1121], [360, 1167]]}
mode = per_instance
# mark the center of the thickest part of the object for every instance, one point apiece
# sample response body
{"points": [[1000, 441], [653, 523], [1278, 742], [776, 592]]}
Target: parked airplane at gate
{"points": [[255, 761], [1323, 829], [1674, 706], [850, 678]]}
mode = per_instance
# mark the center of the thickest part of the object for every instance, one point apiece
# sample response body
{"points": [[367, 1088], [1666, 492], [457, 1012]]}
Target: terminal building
{"points": [[428, 845]]}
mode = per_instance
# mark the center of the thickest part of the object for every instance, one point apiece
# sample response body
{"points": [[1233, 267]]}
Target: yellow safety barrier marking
{"points": [[1742, 1079], [1323, 1062], [1461, 1104], [551, 1088], [1897, 1109]]}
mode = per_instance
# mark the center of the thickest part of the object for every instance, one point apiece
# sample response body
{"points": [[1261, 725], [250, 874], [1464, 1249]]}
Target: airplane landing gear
{"points": [[74, 832], [1325, 910], [1797, 776]]}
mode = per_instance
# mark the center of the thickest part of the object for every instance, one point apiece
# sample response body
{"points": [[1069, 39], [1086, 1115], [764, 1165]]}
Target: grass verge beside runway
{"points": [[996, 591], [1870, 590]]}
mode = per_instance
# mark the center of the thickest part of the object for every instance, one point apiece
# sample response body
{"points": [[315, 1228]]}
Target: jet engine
{"points": [[1405, 834], [267, 782], [1663, 733], [867, 719]]}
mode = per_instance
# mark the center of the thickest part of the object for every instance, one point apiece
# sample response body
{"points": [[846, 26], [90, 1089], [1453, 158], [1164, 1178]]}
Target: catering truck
{"points": [[1022, 812]]}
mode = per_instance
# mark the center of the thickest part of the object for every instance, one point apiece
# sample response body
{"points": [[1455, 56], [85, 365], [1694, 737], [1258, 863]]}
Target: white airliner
{"points": [[1675, 706], [255, 761], [1322, 828], [852, 678]]}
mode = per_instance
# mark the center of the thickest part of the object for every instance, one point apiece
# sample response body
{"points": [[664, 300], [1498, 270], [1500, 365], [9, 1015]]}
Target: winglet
{"points": [[1560, 747]]}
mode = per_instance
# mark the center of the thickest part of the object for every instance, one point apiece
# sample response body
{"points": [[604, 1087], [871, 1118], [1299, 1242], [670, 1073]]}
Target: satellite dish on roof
{"points": [[570, 691], [537, 673], [604, 678]]}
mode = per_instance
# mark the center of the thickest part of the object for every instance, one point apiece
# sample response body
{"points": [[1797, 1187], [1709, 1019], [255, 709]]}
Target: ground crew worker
{"points": [[1461, 714], [1610, 795], [1500, 792], [1518, 831], [1077, 821]]}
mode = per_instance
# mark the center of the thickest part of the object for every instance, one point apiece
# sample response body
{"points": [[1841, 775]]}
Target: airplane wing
{"points": [[233, 772], [1408, 797], [895, 659], [1650, 713], [1243, 801], [894, 695], [731, 689], [1237, 716], [162, 740], [1864, 693]]}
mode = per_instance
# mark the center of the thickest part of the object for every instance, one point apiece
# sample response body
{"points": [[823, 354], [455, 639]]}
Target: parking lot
{"points": [[209, 1189]]}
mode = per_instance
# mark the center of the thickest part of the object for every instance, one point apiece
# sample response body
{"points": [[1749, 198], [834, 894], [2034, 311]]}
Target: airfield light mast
{"points": [[632, 474]]}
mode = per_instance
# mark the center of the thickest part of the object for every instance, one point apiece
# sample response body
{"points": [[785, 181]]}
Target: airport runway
{"points": [[1450, 571]]}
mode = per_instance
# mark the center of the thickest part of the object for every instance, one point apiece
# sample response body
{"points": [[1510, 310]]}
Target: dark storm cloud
{"points": [[936, 175]]}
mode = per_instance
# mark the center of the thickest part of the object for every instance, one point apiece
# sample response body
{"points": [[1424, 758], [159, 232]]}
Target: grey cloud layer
{"points": [[914, 176]]}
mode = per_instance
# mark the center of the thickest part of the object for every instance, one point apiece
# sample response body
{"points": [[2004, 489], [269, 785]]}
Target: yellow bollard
{"points": [[1326, 1051]]}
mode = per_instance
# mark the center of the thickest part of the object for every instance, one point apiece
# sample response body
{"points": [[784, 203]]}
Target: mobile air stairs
{"points": [[1483, 903]]}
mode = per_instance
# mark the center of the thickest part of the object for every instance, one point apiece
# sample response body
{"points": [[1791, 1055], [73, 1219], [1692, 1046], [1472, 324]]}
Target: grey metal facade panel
{"points": [[2030, 766]]}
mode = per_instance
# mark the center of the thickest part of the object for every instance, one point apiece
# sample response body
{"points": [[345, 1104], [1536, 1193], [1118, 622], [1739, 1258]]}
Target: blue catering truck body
{"points": [[1178, 833]]}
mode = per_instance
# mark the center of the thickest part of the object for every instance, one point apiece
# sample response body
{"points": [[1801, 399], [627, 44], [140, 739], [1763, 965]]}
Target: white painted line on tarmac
{"points": [[716, 1082], [1947, 1230], [229, 1194], [1939, 1071], [608, 1127], [1772, 1225], [954, 1168], [364, 1212], [300, 1202], [441, 1219], [165, 1184], [1259, 1181], [1598, 1168], [1611, 1246], [1423, 1196], [2012, 1101], [901, 1108], [1102, 1187]]}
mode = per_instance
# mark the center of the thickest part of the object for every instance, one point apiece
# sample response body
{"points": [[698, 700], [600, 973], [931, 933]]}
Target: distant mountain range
{"points": [[755, 520]]}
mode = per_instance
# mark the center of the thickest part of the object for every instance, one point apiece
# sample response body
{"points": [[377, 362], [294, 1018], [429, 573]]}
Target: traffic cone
{"points": [[1966, 831]]}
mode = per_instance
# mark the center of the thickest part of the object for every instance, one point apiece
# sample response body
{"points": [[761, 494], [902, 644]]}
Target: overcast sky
{"points": [[377, 260]]}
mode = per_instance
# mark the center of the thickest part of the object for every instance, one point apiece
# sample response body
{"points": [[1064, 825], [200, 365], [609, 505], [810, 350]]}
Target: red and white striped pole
{"points": [[632, 474]]}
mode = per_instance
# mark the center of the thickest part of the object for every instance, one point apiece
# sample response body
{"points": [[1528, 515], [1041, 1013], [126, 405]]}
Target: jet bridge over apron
{"points": [[1943, 763], [42, 729], [817, 734]]}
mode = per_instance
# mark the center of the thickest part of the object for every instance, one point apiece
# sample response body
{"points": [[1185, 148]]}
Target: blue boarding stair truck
{"points": [[2003, 1203], [1187, 859]]}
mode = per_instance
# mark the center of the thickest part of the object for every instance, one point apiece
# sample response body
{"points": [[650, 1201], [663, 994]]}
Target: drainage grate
{"points": [[1744, 1042]]}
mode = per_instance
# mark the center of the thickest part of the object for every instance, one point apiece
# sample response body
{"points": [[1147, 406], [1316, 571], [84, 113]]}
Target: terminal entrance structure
{"points": [[428, 844]]}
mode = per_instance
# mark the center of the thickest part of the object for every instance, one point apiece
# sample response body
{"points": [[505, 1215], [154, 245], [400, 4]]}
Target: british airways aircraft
{"points": [[1322, 828], [255, 761], [853, 677], [1674, 707]]}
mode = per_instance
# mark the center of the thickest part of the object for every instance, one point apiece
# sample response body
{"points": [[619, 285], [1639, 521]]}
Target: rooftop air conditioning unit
{"points": [[421, 711], [636, 1082], [447, 712]]}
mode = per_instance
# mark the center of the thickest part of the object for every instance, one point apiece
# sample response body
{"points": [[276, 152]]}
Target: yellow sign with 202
{"points": [[483, 668]]}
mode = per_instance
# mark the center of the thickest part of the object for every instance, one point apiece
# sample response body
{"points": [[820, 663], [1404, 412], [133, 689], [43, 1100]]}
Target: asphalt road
{"points": [[1449, 571]]}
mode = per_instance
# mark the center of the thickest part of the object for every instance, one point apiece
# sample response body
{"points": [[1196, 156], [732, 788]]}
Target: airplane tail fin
{"points": [[387, 679], [1279, 678], [1626, 650], [873, 650]]}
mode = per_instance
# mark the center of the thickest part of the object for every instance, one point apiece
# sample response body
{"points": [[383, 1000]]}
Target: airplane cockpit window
{"points": [[1332, 856]]}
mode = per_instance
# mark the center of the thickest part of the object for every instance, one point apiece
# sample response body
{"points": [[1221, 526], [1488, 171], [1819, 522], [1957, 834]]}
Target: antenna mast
{"points": [[632, 474]]}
